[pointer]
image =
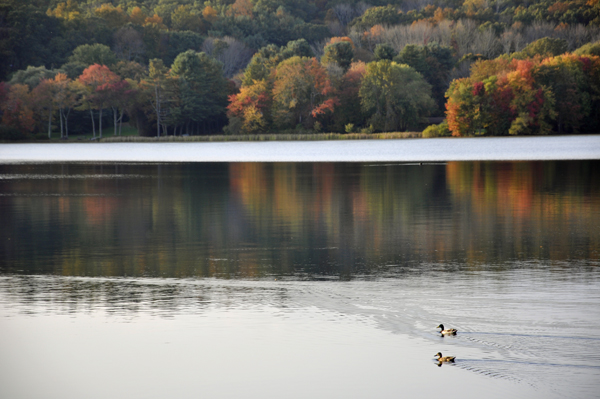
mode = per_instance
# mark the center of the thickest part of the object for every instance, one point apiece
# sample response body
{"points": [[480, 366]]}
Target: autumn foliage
{"points": [[17, 109], [534, 96], [298, 91]]}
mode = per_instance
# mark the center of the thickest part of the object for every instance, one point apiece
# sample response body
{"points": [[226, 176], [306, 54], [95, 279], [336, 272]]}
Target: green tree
{"points": [[589, 49], [186, 18], [32, 76], [384, 51], [434, 62], [157, 88], [575, 82], [90, 54], [175, 43], [396, 95], [385, 15], [201, 88], [27, 37], [270, 56], [547, 47], [340, 53]]}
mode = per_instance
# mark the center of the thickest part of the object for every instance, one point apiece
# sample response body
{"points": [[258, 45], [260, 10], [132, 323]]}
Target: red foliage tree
{"points": [[16, 109], [99, 81]]}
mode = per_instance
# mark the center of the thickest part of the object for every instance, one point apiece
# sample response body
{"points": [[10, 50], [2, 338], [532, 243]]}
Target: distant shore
{"points": [[134, 138], [265, 137]]}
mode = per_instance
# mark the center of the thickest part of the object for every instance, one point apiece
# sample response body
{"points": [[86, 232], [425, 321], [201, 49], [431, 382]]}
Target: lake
{"points": [[299, 279]]}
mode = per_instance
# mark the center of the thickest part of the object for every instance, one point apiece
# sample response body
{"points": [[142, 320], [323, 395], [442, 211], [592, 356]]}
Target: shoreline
{"points": [[227, 138], [520, 148]]}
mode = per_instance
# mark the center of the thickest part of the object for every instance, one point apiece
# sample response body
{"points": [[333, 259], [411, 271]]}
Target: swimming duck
{"points": [[441, 358], [450, 331]]}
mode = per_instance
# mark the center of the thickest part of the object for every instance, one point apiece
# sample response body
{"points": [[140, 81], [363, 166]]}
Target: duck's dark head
{"points": [[438, 355], [440, 326]]}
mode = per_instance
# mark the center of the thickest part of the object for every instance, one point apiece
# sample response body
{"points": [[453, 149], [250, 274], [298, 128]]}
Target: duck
{"points": [[450, 331], [441, 358]]}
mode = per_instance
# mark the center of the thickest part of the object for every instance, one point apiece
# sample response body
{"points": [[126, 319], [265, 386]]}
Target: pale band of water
{"points": [[405, 150]]}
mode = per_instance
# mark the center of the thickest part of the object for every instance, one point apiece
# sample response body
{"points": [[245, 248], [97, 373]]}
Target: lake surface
{"points": [[528, 148], [323, 280]]}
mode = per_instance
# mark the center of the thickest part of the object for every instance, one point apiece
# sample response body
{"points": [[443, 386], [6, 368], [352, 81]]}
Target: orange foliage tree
{"points": [[534, 96], [252, 107], [137, 16], [337, 39], [501, 97], [302, 92], [98, 80], [209, 14], [16, 109], [241, 8]]}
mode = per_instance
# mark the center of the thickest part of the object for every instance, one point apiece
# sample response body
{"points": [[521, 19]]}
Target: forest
{"points": [[189, 67]]}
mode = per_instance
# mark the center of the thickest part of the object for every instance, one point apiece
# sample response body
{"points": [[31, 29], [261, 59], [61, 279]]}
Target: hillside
{"points": [[172, 67]]}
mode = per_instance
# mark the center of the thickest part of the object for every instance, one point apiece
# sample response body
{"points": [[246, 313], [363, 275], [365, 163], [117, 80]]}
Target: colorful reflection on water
{"points": [[299, 279], [295, 219]]}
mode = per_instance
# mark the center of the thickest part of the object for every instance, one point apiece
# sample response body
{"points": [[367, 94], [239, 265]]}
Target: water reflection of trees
{"points": [[130, 296], [256, 219]]}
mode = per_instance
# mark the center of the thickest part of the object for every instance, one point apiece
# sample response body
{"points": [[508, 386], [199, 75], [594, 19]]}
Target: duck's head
{"points": [[438, 355], [440, 326]]}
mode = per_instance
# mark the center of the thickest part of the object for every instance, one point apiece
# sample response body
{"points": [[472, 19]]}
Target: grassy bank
{"points": [[263, 137]]}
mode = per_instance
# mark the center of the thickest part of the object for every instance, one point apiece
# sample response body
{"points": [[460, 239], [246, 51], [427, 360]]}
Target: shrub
{"points": [[440, 130], [234, 127], [367, 130], [41, 136], [9, 133]]}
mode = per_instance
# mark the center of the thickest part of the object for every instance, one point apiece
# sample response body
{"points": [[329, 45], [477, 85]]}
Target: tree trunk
{"points": [[93, 122], [67, 124], [157, 111], [100, 124], [60, 115], [50, 123], [114, 120], [121, 123]]}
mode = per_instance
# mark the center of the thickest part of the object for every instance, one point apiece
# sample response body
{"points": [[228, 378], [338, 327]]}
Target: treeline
{"points": [[190, 97], [533, 96], [249, 66]]}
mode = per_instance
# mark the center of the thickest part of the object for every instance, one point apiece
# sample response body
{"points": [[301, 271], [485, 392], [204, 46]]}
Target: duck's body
{"points": [[449, 331], [441, 358]]}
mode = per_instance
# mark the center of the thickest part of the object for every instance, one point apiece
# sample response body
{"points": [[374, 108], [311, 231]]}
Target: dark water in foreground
{"points": [[299, 280]]}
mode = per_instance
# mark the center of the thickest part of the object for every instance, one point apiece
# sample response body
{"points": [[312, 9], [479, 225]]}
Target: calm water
{"points": [[324, 280], [531, 148]]}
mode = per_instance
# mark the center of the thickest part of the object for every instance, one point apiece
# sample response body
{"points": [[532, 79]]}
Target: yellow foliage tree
{"points": [[68, 11], [241, 8], [115, 17], [137, 16], [155, 20], [209, 13]]}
